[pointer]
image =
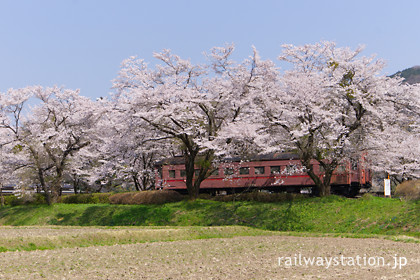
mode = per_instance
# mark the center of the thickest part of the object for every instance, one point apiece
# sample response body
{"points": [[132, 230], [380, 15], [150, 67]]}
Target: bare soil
{"points": [[255, 257]]}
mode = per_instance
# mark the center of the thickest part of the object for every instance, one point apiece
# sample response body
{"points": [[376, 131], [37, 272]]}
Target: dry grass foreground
{"points": [[245, 257]]}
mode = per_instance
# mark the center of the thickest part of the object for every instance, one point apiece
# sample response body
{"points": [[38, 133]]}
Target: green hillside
{"points": [[410, 75]]}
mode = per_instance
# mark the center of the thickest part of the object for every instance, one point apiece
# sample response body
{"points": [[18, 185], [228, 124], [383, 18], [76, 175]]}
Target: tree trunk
{"points": [[1, 194], [75, 183], [191, 154], [47, 193], [193, 180], [324, 189], [189, 173], [56, 186], [136, 183], [322, 182], [147, 182]]}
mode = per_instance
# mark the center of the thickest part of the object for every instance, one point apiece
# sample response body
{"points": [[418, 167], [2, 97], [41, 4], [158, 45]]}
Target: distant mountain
{"points": [[410, 75]]}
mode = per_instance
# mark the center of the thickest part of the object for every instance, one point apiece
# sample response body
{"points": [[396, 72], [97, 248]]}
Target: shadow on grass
{"points": [[20, 215], [284, 216], [118, 215], [287, 220]]}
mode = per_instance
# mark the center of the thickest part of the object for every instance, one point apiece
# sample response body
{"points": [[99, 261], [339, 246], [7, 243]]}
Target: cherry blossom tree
{"points": [[46, 137], [332, 106], [327, 106], [127, 150], [14, 157], [188, 104], [394, 147], [6, 157]]}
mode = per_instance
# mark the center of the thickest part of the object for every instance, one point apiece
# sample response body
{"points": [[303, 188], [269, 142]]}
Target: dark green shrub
{"points": [[86, 198], [146, 197], [10, 200], [38, 198], [103, 198], [26, 199]]}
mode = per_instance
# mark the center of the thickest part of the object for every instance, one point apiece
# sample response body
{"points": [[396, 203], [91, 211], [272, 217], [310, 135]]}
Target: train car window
{"points": [[341, 169], [244, 170], [353, 165], [275, 169], [183, 173], [259, 170], [215, 172], [228, 171], [294, 169], [171, 173]]}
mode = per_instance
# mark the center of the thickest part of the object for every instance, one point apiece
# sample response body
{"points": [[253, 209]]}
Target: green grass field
{"points": [[54, 237], [332, 214]]}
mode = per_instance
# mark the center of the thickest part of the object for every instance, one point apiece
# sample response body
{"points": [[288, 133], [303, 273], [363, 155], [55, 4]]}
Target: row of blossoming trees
{"points": [[331, 105]]}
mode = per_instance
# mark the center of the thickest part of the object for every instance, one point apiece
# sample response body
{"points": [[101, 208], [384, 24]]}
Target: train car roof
{"points": [[263, 157]]}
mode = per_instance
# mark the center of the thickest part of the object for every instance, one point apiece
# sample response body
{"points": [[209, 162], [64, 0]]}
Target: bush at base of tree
{"points": [[26, 199], [146, 197], [88, 198], [408, 190]]}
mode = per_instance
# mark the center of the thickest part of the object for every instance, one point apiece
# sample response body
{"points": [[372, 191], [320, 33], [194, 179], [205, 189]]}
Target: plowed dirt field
{"points": [[251, 257]]}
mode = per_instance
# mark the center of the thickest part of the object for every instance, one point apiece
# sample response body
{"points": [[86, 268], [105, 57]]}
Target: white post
{"points": [[387, 187]]}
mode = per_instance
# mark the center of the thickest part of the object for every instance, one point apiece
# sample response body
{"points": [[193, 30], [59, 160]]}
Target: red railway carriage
{"points": [[274, 172]]}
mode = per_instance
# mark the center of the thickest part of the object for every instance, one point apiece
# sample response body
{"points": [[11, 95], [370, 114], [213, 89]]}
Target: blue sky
{"points": [[81, 43]]}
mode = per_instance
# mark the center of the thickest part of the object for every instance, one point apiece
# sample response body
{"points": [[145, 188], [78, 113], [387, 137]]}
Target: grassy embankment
{"points": [[321, 215], [332, 216]]}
